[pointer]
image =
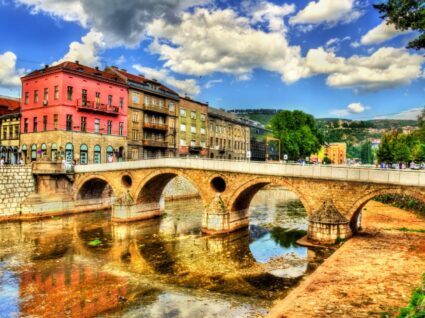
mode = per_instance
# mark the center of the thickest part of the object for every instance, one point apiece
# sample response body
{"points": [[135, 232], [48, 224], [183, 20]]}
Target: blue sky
{"points": [[330, 58]]}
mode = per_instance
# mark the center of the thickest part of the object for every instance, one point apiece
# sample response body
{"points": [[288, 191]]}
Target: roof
{"points": [[77, 68], [140, 79], [187, 98], [328, 214], [9, 105]]}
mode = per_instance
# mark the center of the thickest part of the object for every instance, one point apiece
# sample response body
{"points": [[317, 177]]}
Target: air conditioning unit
{"points": [[44, 102]]}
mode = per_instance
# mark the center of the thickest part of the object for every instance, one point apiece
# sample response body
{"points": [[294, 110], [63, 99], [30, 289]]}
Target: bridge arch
{"points": [[241, 199], [355, 210], [151, 187], [94, 187]]}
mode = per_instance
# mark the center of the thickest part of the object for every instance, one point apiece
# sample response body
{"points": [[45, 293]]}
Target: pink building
{"points": [[73, 111]]}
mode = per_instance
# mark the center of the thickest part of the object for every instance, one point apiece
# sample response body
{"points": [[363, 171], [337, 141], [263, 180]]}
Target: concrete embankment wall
{"points": [[180, 188], [16, 183]]}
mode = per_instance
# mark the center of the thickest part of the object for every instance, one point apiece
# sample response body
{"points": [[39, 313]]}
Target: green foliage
{"points": [[95, 242], [405, 15], [298, 133], [416, 306], [327, 161], [399, 147], [366, 153], [405, 229], [404, 202]]}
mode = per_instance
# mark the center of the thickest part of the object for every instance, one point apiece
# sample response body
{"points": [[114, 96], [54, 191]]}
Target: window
{"points": [[54, 152], [83, 124], [34, 129], [97, 154], [35, 96], [55, 121], [69, 91], [135, 134], [109, 127], [146, 100], [121, 102], [136, 98], [56, 92], [136, 117], [16, 131], [46, 95], [84, 97], [183, 142], [27, 97], [121, 129], [193, 115], [25, 125], [97, 98], [33, 152], [45, 123], [202, 117], [109, 154], [68, 122], [153, 102], [69, 152], [109, 100], [203, 131], [182, 127], [97, 125], [171, 107], [182, 112], [203, 144], [161, 103], [84, 154], [193, 143], [193, 129], [43, 150]]}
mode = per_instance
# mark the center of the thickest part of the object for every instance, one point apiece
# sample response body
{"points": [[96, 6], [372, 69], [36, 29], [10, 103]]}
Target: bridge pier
{"points": [[327, 225], [218, 219], [125, 209]]}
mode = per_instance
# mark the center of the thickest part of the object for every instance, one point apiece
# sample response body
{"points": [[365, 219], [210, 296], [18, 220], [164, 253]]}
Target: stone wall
{"points": [[16, 183], [180, 188]]}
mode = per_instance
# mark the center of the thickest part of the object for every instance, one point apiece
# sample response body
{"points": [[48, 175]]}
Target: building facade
{"points": [[152, 114], [74, 112], [229, 136], [9, 129], [336, 152], [192, 128]]}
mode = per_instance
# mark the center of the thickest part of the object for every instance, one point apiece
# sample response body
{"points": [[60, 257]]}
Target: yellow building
{"points": [[9, 139], [336, 152]]}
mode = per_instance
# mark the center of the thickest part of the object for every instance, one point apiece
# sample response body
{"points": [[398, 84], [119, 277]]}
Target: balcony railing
{"points": [[150, 125], [97, 107], [155, 143], [156, 109]]}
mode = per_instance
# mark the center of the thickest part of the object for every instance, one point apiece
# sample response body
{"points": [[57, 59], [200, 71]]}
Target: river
{"points": [[85, 266]]}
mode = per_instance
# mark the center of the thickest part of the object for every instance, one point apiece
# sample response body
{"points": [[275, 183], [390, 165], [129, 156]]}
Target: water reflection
{"points": [[85, 266]]}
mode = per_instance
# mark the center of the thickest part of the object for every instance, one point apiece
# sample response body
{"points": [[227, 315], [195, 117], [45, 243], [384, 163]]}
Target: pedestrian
{"points": [[1, 161]]}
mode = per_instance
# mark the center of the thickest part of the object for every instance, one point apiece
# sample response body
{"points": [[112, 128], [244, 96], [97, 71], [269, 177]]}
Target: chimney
{"points": [[97, 68], [154, 80], [77, 62], [46, 66], [124, 70]]}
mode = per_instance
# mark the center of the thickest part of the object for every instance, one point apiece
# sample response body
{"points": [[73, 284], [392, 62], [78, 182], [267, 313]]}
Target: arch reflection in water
{"points": [[158, 266]]}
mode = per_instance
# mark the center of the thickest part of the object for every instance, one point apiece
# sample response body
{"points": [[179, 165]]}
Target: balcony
{"points": [[155, 109], [155, 143], [94, 107], [150, 125]]}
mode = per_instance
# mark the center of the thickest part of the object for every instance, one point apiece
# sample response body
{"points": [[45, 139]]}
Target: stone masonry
{"points": [[180, 188], [16, 183]]}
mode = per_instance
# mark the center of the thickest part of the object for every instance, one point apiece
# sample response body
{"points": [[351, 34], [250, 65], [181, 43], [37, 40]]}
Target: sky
{"points": [[329, 58]]}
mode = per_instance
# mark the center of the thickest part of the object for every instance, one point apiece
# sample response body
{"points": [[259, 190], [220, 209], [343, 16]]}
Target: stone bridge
{"points": [[333, 196]]}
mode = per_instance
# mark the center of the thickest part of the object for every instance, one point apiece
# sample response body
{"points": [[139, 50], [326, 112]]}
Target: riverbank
{"points": [[371, 275]]}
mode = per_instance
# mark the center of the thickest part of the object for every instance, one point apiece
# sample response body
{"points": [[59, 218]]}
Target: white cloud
{"points": [[381, 33], [385, 68], [335, 43], [272, 14], [120, 60], [187, 86], [9, 74], [410, 114], [211, 83], [351, 109], [121, 22], [327, 11], [221, 41], [87, 51]]}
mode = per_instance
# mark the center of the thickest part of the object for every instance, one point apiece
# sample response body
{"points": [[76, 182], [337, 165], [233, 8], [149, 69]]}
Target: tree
{"points": [[385, 153], [405, 15], [366, 153], [298, 133]]}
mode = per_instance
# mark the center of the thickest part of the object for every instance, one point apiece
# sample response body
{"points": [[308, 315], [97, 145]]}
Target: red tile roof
{"points": [[76, 67], [9, 105], [142, 80]]}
